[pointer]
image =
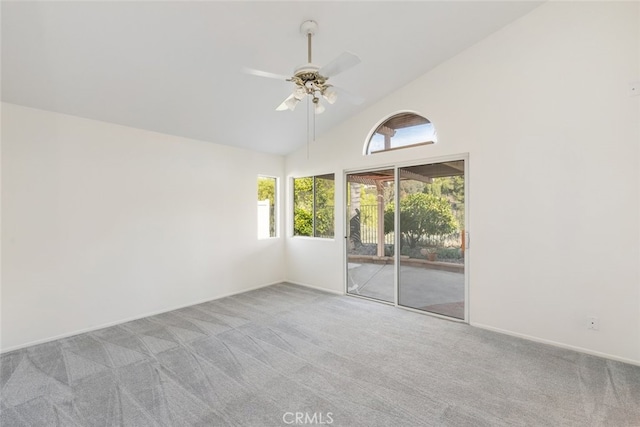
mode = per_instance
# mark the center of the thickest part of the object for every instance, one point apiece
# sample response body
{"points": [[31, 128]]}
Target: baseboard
{"points": [[317, 288], [558, 344], [130, 319]]}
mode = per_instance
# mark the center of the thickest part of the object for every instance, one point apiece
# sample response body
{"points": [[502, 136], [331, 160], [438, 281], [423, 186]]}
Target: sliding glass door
{"points": [[431, 267], [370, 246], [413, 256]]}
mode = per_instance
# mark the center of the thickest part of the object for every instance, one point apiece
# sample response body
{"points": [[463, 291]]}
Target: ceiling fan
{"points": [[311, 80]]}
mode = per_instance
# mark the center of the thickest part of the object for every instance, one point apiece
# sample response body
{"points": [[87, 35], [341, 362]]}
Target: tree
{"points": [[266, 189], [309, 213], [303, 206], [451, 187], [421, 215], [324, 206], [302, 222]]}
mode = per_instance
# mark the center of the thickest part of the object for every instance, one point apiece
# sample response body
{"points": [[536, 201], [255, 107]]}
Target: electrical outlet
{"points": [[593, 323]]}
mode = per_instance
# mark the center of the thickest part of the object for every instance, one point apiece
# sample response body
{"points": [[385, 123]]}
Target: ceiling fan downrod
{"points": [[309, 35], [309, 28], [306, 77]]}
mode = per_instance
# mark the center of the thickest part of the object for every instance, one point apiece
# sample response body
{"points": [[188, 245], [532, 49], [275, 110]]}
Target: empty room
{"points": [[348, 213]]}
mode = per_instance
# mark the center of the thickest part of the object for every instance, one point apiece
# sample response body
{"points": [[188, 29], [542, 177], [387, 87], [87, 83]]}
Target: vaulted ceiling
{"points": [[174, 67]]}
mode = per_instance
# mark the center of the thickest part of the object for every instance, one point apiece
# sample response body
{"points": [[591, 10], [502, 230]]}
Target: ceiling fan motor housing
{"points": [[308, 27], [307, 76]]}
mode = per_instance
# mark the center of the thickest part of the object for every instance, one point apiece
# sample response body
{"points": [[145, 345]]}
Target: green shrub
{"points": [[303, 223], [449, 253], [421, 215]]}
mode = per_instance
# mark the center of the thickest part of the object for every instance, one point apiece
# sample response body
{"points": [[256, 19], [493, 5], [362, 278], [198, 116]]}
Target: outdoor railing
{"points": [[364, 227]]}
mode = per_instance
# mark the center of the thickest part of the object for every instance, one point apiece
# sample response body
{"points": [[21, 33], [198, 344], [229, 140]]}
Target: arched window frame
{"points": [[370, 135]]}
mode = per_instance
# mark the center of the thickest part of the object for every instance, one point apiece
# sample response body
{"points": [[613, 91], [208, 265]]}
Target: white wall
{"points": [[103, 223], [543, 109]]}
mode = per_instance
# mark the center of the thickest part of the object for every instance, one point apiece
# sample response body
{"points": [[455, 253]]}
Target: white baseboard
{"points": [[557, 344], [317, 288], [119, 322]]}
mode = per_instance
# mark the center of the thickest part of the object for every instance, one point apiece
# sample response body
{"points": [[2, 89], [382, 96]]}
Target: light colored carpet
{"points": [[250, 359]]}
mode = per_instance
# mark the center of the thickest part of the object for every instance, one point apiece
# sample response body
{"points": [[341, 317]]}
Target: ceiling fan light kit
{"points": [[310, 80]]}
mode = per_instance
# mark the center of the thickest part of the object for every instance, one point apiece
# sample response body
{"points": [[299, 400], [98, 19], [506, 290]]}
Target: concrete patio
{"points": [[432, 290]]}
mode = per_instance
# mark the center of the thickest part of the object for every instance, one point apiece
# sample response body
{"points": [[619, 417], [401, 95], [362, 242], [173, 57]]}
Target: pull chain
{"points": [[308, 130]]}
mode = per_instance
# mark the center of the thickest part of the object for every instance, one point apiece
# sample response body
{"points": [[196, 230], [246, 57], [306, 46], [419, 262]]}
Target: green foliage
{"points": [[410, 186], [302, 222], [267, 189], [324, 222], [451, 188], [303, 193], [449, 253], [324, 214], [303, 206], [421, 215]]}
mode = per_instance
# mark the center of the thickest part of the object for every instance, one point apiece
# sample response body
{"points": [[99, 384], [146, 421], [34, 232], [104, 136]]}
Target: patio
{"points": [[428, 289]]}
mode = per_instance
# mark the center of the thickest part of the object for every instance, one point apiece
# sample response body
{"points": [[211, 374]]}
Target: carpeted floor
{"points": [[287, 354]]}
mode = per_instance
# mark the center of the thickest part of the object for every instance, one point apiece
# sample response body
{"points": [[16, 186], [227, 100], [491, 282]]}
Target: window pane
{"points": [[324, 215], [431, 273], [303, 206], [313, 204], [371, 243], [267, 207], [402, 130]]}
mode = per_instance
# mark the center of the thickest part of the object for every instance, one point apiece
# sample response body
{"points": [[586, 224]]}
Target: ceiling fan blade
{"points": [[288, 104], [266, 74], [349, 96], [342, 63]]}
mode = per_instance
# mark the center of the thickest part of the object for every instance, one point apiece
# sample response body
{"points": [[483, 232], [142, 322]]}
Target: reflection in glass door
{"points": [[370, 235], [431, 273]]}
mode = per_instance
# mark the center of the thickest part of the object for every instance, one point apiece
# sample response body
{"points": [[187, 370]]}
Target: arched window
{"points": [[401, 130]]}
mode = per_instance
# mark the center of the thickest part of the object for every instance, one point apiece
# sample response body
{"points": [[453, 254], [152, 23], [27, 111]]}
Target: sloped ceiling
{"points": [[174, 67]]}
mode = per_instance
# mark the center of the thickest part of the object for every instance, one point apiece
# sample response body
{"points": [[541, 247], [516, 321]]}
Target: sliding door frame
{"points": [[396, 276]]}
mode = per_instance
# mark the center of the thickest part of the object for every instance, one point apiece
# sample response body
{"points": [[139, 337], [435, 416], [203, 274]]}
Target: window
{"points": [[313, 199], [267, 220], [401, 131]]}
